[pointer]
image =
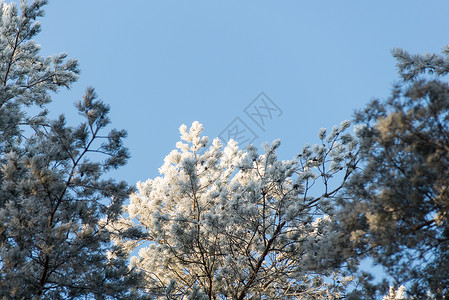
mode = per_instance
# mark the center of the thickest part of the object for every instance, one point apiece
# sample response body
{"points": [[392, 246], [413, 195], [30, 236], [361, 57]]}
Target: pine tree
{"points": [[232, 224], [53, 191], [397, 207]]}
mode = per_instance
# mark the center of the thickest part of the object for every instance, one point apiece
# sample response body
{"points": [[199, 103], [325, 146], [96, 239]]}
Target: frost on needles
{"points": [[232, 223], [53, 190]]}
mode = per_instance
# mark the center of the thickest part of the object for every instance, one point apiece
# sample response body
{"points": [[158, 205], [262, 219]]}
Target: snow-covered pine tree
{"points": [[52, 192], [232, 224]]}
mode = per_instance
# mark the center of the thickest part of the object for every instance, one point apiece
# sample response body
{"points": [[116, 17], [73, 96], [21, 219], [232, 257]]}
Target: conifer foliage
{"points": [[220, 222], [52, 191], [233, 224], [397, 207]]}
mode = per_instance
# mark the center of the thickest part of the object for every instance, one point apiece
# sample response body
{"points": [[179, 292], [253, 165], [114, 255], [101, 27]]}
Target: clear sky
{"points": [[160, 64]]}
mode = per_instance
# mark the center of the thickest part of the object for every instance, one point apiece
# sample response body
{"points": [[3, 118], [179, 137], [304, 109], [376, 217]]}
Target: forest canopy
{"points": [[221, 221]]}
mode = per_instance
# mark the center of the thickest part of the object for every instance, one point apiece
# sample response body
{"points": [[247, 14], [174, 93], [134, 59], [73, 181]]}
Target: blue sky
{"points": [[160, 64]]}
